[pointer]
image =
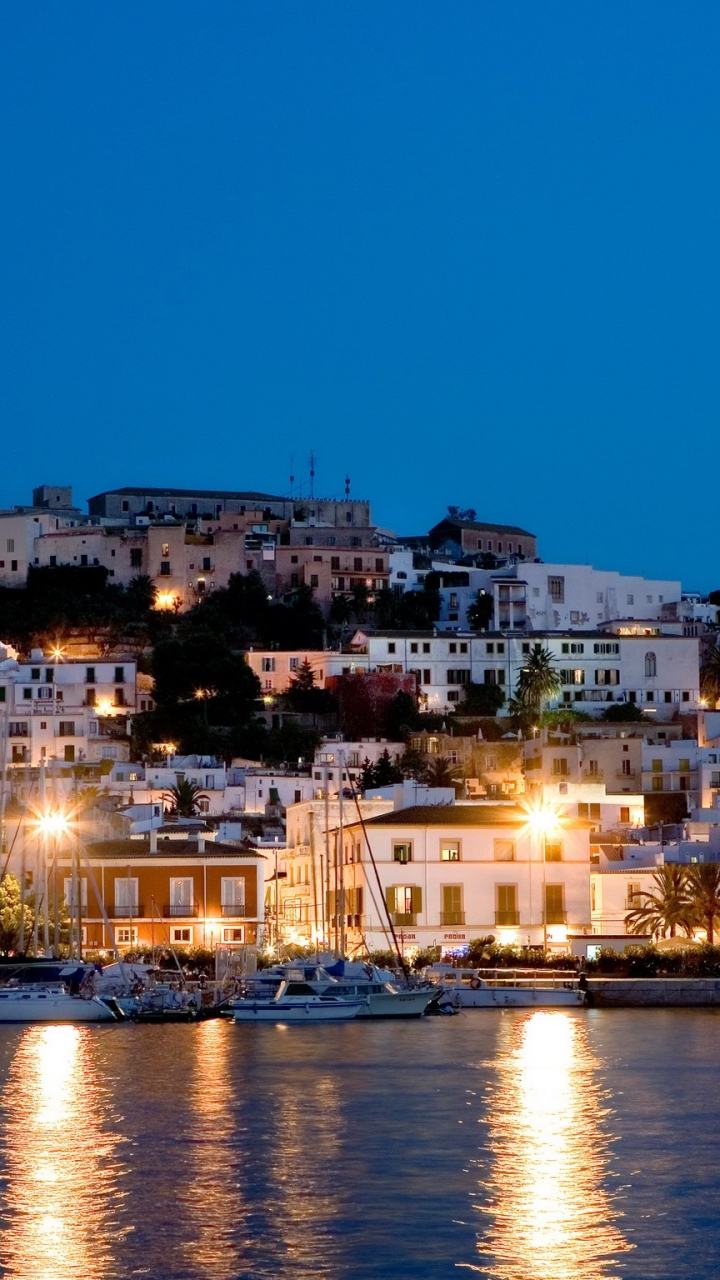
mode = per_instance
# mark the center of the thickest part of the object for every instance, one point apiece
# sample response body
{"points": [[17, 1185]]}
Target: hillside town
{"points": [[237, 722]]}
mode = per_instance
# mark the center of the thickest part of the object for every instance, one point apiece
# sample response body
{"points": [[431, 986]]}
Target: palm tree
{"points": [[440, 772], [538, 681], [666, 907], [703, 880], [184, 798], [710, 677]]}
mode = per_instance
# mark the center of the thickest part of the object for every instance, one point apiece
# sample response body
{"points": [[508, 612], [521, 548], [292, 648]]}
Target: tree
{"points": [[538, 681], [441, 772], [710, 677], [184, 798], [140, 594], [385, 772], [703, 879], [401, 717], [304, 679], [623, 713], [482, 700], [480, 613], [360, 600], [462, 513], [666, 907], [13, 938]]}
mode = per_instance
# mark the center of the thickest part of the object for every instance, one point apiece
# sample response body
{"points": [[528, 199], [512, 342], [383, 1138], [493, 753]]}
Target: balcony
{"points": [[590, 775], [232, 910], [507, 918], [452, 917], [181, 910], [134, 912], [403, 919], [555, 917], [624, 773]]}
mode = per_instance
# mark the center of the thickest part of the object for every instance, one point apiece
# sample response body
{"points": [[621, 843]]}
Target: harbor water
{"points": [[526, 1145]]}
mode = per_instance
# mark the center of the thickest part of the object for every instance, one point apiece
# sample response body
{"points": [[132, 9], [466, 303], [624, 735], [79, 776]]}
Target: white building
{"points": [[658, 671], [453, 873], [533, 596]]}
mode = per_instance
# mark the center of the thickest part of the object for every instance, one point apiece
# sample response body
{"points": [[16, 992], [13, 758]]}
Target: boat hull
{"points": [[403, 1004], [50, 1008], [513, 998], [300, 1012]]}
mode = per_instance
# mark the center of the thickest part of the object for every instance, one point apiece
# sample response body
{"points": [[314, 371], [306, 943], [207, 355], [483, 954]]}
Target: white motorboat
{"points": [[382, 995], [36, 1002], [295, 1001], [506, 988]]}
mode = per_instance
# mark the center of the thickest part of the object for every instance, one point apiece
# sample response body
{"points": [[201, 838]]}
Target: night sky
{"points": [[465, 251]]}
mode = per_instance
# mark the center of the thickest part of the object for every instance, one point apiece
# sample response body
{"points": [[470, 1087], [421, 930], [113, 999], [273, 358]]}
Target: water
{"points": [[512, 1146]]}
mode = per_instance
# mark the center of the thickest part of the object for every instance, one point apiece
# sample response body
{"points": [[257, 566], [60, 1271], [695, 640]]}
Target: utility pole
{"points": [[341, 858]]}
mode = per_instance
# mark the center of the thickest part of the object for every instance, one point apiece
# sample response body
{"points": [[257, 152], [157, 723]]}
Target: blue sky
{"points": [[466, 252]]}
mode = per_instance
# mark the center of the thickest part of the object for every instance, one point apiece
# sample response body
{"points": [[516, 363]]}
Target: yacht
{"points": [[38, 1002], [506, 988], [294, 1001], [383, 995]]}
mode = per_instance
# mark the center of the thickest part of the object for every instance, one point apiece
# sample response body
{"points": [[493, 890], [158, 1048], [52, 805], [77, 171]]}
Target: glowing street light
{"points": [[53, 823], [165, 600]]}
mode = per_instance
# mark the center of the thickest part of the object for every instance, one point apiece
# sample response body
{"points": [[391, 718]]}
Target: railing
{"points": [[626, 773], [592, 775], [182, 910], [403, 919], [555, 917], [507, 917], [133, 912], [452, 917], [232, 910]]}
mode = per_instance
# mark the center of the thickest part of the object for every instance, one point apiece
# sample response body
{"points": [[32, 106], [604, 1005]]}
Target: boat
{"points": [[382, 994], [506, 988], [40, 1002], [294, 1001]]}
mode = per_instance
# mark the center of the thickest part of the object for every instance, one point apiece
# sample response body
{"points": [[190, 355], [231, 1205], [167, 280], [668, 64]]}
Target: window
{"points": [[490, 646], [624, 813], [314, 580], [427, 676], [13, 566], [49, 675], [426, 646], [34, 673], [66, 729], [506, 912], [234, 936], [599, 597], [182, 896], [413, 648], [609, 647], [119, 698], [402, 851], [650, 664], [463, 648], [165, 568], [71, 897], [268, 664], [556, 590], [631, 599], [126, 896], [449, 850], [27, 694], [11, 544], [379, 565], [504, 850], [119, 675], [357, 564], [90, 675], [684, 766], [657, 783], [136, 557], [391, 646], [611, 676], [554, 850], [232, 895], [627, 768], [126, 937], [451, 912], [554, 904], [526, 648], [634, 896], [182, 934], [560, 766], [404, 902], [335, 563], [459, 676], [656, 766]]}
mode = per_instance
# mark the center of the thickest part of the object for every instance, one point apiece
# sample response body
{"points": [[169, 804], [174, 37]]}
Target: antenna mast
{"points": [[312, 475]]}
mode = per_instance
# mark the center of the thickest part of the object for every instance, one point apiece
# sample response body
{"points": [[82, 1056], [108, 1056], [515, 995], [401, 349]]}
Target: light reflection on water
{"points": [[550, 1216], [61, 1164]]}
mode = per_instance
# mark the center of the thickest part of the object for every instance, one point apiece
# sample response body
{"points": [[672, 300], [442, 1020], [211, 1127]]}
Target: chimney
{"points": [[153, 841], [201, 843]]}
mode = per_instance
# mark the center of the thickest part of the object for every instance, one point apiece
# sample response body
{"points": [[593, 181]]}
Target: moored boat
{"points": [[295, 1001], [506, 988], [37, 1002], [383, 996]]}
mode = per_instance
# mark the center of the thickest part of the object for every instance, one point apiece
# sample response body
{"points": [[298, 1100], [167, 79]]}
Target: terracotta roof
{"points": [[463, 815], [173, 850]]}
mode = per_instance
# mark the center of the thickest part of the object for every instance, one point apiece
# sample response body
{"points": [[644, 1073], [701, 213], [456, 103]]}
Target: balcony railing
{"points": [[626, 773], [232, 910], [135, 911], [403, 919], [556, 917], [507, 917], [181, 910], [452, 917]]}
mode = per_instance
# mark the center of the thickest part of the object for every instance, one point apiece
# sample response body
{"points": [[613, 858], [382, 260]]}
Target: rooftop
{"points": [[482, 527], [174, 850]]}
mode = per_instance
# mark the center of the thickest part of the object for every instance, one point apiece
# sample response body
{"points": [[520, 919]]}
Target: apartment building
{"points": [[563, 597], [596, 780], [474, 538], [123, 504], [190, 890], [70, 712], [449, 874], [658, 671]]}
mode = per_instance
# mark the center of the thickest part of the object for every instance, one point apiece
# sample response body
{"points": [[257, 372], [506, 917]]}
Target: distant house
{"points": [[473, 537]]}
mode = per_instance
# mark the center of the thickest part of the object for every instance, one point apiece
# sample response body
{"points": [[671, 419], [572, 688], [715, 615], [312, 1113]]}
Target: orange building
{"points": [[188, 892]]}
